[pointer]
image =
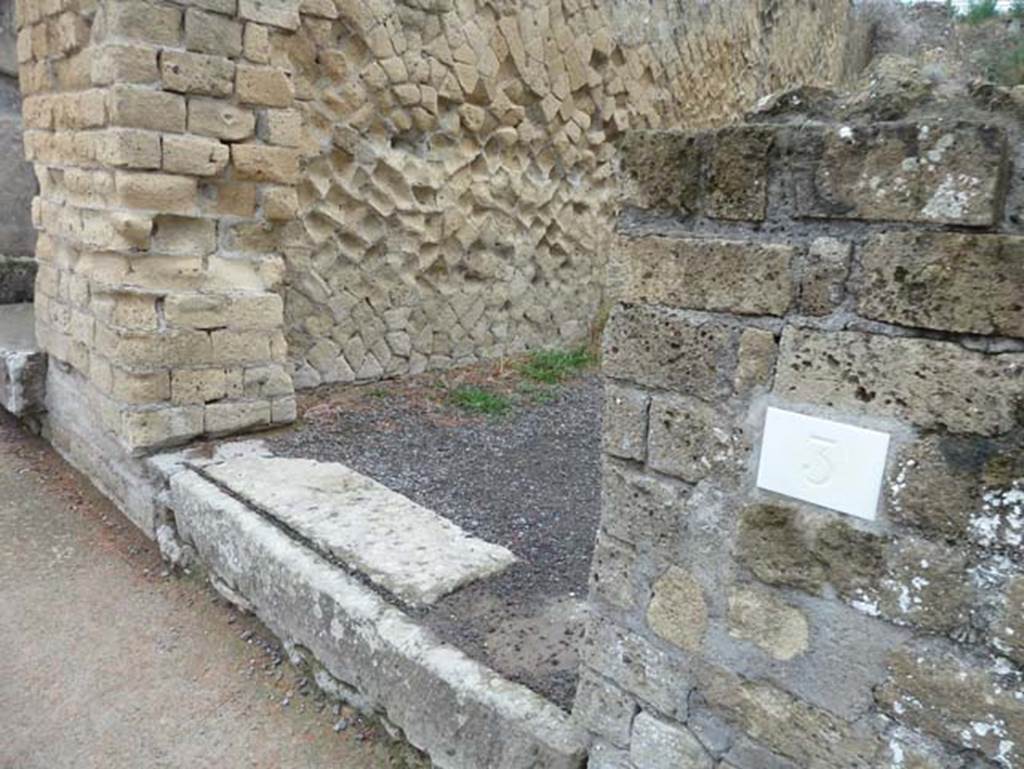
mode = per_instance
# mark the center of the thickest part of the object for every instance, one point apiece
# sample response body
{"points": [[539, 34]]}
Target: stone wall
{"points": [[454, 202], [379, 187], [166, 321], [17, 237], [866, 272]]}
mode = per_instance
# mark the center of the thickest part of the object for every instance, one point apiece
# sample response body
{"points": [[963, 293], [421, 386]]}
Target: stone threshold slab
{"points": [[462, 714], [410, 551]]}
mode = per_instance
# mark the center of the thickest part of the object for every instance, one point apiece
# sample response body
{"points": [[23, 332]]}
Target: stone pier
{"points": [[868, 273]]}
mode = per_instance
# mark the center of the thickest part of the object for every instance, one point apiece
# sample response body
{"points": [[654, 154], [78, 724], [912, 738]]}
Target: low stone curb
{"points": [[459, 712]]}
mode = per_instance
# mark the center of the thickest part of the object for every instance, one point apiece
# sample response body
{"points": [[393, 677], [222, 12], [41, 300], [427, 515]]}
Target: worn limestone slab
{"points": [[22, 364], [461, 713], [401, 546]]}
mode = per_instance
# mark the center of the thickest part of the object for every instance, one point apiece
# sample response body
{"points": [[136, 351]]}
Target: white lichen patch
{"points": [[866, 604], [991, 737], [952, 198], [899, 483], [1000, 522]]}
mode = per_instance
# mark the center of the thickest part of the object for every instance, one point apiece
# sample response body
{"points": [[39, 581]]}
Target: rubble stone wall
{"points": [[237, 191], [866, 272]]}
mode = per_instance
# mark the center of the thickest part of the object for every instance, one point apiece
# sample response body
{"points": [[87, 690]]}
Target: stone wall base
{"points": [[71, 427]]}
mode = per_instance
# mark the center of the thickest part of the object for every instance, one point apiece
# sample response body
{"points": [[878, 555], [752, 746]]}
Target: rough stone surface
{"points": [[625, 422], [660, 347], [462, 714], [915, 172], [945, 281], [638, 666], [678, 611], [690, 440], [709, 274], [954, 699], [660, 745], [822, 285], [604, 709], [22, 365], [807, 264], [927, 383], [412, 552], [762, 618], [738, 175]]}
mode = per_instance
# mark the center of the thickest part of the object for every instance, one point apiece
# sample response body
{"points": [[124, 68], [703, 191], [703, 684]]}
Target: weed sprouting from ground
{"points": [[480, 401], [553, 366]]}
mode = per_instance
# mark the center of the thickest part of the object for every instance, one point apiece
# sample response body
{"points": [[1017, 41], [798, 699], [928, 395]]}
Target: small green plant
{"points": [[537, 393], [553, 366], [981, 10], [379, 392], [480, 401]]}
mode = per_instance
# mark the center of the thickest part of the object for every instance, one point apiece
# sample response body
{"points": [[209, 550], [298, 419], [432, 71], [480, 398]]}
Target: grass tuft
{"points": [[553, 366], [480, 401]]}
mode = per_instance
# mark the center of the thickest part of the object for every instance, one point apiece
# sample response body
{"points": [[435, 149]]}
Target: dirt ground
{"points": [[112, 662], [527, 479]]}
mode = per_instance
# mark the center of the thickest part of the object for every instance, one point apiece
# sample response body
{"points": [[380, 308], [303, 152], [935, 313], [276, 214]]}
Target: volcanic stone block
{"points": [[659, 347], [638, 666], [928, 383], [809, 736], [908, 172], [197, 73], [604, 708], [664, 167], [691, 440], [738, 173], [212, 33], [643, 510], [678, 612], [822, 282], [946, 281], [625, 421], [957, 699], [761, 617], [660, 745], [745, 277]]}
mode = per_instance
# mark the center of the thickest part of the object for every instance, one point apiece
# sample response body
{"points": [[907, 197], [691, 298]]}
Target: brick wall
{"points": [[148, 159], [866, 272]]}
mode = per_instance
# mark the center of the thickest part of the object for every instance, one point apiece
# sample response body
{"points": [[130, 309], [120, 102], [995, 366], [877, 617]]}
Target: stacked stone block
{"points": [[457, 196], [871, 274], [141, 118]]}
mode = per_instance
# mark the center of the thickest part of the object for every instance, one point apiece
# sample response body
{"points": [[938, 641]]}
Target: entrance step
{"points": [[408, 550], [22, 364], [272, 533]]}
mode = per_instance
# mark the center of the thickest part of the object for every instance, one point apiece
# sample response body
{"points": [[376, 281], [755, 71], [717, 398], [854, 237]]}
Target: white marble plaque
{"points": [[827, 463]]}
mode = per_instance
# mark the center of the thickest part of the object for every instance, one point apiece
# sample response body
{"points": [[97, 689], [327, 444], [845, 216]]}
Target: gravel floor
{"points": [[527, 480]]}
